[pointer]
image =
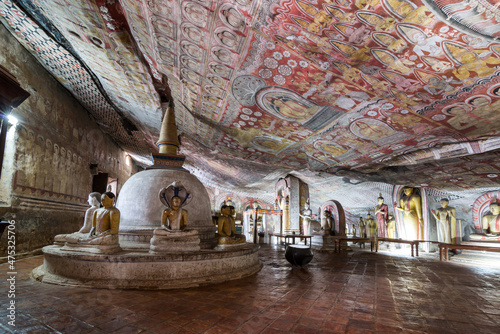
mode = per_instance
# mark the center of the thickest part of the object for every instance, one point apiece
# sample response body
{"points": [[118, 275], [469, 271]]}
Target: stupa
{"points": [[138, 202], [142, 264]]}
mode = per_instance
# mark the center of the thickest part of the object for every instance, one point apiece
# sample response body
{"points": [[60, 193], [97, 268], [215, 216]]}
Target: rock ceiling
{"points": [[335, 92]]}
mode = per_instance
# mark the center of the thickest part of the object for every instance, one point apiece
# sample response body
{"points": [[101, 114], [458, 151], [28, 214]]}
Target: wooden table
{"points": [[278, 236], [412, 243], [443, 248], [338, 240], [293, 236]]}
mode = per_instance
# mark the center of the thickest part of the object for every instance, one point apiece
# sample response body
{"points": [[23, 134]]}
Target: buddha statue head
{"points": [[107, 199], [232, 211], [408, 191], [176, 202], [225, 210], [94, 199], [380, 199], [495, 208]]}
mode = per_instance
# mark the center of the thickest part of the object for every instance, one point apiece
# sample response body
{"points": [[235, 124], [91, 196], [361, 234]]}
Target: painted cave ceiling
{"points": [[336, 92]]}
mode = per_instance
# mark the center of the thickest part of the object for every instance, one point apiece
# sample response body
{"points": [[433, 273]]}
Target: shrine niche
{"points": [[412, 214], [486, 218], [291, 195], [282, 193], [338, 215]]}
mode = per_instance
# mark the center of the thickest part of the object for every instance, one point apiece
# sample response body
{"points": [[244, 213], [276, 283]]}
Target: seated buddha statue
{"points": [[491, 224], [94, 201], [327, 223], [103, 236], [173, 236], [227, 229], [105, 223], [174, 218]]}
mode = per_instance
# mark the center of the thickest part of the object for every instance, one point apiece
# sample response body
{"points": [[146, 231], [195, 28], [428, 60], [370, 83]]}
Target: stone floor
{"points": [[358, 292]]}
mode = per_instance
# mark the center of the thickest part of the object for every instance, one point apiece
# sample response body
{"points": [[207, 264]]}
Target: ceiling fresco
{"points": [[335, 92]]}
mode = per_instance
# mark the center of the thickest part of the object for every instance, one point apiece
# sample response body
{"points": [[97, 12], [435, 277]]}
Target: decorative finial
{"points": [[168, 143]]}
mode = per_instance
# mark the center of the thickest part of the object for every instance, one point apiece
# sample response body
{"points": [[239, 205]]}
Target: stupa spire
{"points": [[168, 143]]}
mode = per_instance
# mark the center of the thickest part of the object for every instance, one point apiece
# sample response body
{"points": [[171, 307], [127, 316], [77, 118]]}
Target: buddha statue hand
{"points": [[92, 232], [166, 227]]}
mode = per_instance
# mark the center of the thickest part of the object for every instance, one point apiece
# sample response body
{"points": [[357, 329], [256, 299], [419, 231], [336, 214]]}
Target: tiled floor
{"points": [[358, 292]]}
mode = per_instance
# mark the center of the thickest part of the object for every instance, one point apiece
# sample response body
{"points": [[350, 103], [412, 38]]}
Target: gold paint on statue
{"points": [[227, 228], [411, 206], [174, 218], [168, 141]]}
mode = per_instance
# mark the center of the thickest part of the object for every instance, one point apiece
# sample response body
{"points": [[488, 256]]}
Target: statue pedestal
{"points": [[106, 245], [166, 241]]}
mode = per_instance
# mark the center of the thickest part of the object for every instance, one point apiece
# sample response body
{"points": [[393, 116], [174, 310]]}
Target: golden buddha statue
{"points": [[446, 219], [174, 218], [173, 235], [362, 228], [227, 228], [411, 206], [327, 223], [103, 236], [174, 197], [371, 226], [391, 227], [105, 222]]}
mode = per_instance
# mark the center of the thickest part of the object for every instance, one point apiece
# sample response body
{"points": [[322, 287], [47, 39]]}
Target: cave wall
{"points": [[46, 176]]}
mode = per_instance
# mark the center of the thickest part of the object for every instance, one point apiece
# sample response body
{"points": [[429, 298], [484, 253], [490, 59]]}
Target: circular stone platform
{"points": [[132, 269]]}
